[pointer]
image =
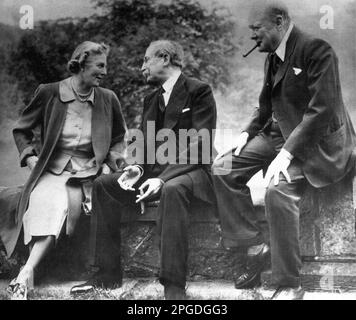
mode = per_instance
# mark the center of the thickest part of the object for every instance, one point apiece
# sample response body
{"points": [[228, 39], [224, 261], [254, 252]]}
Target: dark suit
{"points": [[184, 183], [313, 125]]}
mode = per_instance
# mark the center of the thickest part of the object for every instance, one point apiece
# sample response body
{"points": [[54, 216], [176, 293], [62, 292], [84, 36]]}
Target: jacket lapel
{"points": [[151, 114], [57, 113], [289, 50], [267, 69], [176, 103], [55, 123], [174, 107], [265, 94]]}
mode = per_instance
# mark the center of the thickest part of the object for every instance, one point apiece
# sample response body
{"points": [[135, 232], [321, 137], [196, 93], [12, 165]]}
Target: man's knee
{"points": [[222, 166], [275, 192], [218, 164], [280, 195], [176, 194], [174, 187], [106, 181], [100, 181]]}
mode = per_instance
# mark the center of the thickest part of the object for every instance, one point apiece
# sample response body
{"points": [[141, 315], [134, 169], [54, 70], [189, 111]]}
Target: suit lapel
{"points": [[289, 50], [55, 123], [174, 107], [267, 69], [176, 103], [151, 113]]}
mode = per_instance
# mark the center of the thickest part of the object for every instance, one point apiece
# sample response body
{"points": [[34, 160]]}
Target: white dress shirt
{"points": [[281, 50], [169, 84]]}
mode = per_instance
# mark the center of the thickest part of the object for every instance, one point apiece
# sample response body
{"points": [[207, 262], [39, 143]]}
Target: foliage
{"points": [[129, 26], [10, 96]]}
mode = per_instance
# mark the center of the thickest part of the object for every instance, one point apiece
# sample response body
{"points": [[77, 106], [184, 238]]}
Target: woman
{"points": [[82, 135]]}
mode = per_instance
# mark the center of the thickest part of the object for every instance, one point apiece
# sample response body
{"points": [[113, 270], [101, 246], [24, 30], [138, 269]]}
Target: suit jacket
{"points": [[307, 103], [191, 106], [49, 111]]}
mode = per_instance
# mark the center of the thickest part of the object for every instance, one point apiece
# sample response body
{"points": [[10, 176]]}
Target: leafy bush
{"points": [[128, 26]]}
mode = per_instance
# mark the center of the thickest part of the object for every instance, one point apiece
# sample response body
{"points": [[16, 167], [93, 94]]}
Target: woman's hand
{"points": [[31, 162]]}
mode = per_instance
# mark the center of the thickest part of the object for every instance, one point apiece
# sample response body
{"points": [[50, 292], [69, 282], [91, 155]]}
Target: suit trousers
{"points": [[109, 201], [238, 218]]}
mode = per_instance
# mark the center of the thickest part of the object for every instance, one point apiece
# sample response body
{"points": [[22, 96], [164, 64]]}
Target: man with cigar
{"points": [[180, 104], [301, 133]]}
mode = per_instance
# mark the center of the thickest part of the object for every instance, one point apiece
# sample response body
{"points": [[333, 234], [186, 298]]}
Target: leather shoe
{"points": [[288, 293], [251, 277], [98, 281], [172, 292]]}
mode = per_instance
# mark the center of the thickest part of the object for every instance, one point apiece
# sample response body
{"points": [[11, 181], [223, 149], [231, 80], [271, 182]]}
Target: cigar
{"points": [[142, 204], [248, 53]]}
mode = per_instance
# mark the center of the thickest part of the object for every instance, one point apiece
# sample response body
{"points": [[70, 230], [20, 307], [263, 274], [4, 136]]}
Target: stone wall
{"points": [[327, 232]]}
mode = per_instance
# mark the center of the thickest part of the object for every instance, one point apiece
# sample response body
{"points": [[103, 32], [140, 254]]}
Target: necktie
{"points": [[162, 109], [275, 63], [161, 103]]}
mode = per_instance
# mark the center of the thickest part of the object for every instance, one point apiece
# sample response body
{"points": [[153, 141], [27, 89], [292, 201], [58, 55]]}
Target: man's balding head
{"points": [[269, 11], [161, 58], [269, 21]]}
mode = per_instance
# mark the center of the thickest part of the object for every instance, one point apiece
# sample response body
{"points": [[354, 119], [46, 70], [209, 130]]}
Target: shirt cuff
{"points": [[28, 152], [141, 169], [287, 154]]}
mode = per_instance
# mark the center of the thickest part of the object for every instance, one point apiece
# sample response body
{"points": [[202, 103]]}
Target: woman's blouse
{"points": [[74, 150]]}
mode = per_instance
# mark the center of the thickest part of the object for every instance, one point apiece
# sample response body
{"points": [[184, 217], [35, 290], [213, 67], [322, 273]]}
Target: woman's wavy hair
{"points": [[82, 52]]}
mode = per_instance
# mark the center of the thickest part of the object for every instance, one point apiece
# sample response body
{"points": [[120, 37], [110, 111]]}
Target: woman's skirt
{"points": [[50, 203]]}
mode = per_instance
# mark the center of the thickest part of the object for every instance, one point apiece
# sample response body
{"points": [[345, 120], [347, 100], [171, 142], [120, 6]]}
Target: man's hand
{"points": [[105, 169], [129, 177], [279, 165], [153, 186], [241, 142], [31, 162]]}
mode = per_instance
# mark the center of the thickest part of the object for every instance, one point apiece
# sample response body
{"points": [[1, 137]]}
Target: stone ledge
{"points": [[327, 233], [324, 276]]}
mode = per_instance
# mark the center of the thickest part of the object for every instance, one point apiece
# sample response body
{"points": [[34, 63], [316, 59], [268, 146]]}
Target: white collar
{"points": [[171, 81], [281, 50]]}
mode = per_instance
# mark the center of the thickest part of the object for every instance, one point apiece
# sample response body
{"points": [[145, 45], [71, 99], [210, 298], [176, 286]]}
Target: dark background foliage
{"points": [[128, 26]]}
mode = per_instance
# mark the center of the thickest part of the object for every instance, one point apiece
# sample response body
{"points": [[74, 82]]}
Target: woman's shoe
{"points": [[19, 290], [11, 286]]}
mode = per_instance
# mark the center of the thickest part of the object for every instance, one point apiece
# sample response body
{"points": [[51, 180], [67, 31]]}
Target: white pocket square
{"points": [[297, 71], [185, 110]]}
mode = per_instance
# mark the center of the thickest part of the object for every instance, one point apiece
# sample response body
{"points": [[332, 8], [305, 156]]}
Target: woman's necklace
{"points": [[81, 97]]}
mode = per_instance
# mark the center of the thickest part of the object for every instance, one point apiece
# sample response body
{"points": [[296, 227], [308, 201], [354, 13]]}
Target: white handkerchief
{"points": [[297, 71], [185, 110]]}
